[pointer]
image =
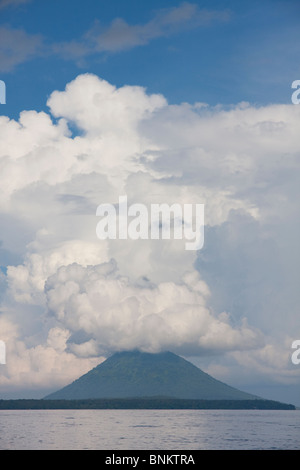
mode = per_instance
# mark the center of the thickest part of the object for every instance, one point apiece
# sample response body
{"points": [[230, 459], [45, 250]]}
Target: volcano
{"points": [[134, 374]]}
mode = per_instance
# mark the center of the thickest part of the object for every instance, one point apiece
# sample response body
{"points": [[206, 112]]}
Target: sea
{"points": [[149, 430]]}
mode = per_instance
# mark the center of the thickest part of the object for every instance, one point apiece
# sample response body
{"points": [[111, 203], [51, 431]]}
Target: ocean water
{"points": [[149, 429]]}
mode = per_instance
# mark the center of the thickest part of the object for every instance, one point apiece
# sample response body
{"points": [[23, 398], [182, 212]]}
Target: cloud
{"points": [[13, 3], [17, 46], [27, 281], [118, 314], [65, 300], [29, 367], [121, 36], [249, 268], [111, 109]]}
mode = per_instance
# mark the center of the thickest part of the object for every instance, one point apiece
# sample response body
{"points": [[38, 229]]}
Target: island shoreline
{"points": [[143, 403]]}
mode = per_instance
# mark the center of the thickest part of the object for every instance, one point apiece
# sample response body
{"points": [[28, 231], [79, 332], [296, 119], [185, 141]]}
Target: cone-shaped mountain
{"points": [[133, 374]]}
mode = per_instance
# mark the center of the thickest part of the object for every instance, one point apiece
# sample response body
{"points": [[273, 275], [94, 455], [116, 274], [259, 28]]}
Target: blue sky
{"points": [[221, 52], [164, 101]]}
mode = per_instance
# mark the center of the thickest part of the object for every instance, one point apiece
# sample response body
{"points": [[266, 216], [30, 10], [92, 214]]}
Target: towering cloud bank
{"points": [[69, 299]]}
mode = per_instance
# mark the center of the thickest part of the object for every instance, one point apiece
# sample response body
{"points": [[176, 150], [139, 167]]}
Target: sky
{"points": [[164, 102]]}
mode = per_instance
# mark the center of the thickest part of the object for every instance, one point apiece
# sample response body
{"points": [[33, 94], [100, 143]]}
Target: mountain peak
{"points": [[131, 374]]}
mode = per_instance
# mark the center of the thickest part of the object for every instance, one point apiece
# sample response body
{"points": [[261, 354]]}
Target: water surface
{"points": [[149, 429]]}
